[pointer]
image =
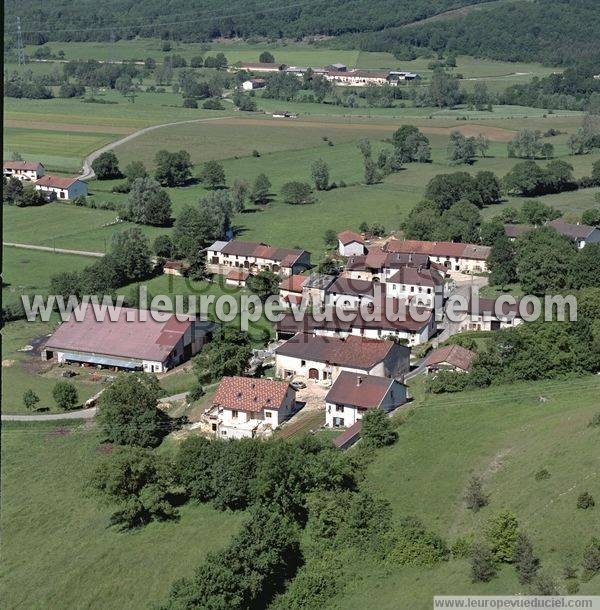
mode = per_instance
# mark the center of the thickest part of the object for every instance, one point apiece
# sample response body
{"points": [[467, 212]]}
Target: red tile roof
{"points": [[456, 355], [23, 166], [347, 237], [347, 437], [284, 256], [309, 322], [439, 248], [126, 337], [238, 275], [362, 391], [59, 182], [293, 283], [352, 352], [250, 394], [417, 277]]}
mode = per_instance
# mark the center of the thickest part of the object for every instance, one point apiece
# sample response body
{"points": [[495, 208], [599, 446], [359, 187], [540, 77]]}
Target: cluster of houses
{"points": [[338, 74], [53, 187], [361, 359]]}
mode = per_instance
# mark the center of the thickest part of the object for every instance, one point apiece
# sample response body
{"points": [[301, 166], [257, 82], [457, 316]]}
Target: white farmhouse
{"points": [[324, 358], [254, 83], [350, 244], [245, 406], [353, 394], [57, 187], [23, 170]]}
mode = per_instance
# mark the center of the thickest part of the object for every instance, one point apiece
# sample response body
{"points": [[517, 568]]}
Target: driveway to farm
{"points": [[88, 172], [81, 414], [55, 250]]}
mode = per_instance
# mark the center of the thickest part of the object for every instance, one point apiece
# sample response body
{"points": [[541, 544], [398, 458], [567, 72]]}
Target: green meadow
{"points": [[60, 552], [58, 548]]}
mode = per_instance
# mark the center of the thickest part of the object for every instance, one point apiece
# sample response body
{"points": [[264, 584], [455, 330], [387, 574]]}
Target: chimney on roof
{"points": [[358, 380]]}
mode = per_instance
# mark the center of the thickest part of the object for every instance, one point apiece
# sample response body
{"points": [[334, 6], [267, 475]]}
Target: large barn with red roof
{"points": [[133, 340]]}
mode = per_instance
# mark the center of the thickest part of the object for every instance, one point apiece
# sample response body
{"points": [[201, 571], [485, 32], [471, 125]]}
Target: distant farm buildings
{"points": [[23, 170]]}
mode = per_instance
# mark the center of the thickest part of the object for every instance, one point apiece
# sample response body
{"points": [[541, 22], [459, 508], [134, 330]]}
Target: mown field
{"points": [[59, 551]]}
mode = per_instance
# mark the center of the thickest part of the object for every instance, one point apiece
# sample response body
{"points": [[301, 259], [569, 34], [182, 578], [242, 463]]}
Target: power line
{"points": [[153, 25], [20, 49]]}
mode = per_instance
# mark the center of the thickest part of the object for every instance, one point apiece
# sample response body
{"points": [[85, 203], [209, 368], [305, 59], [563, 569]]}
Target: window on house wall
{"points": [[268, 414], [339, 408], [302, 362], [234, 413]]}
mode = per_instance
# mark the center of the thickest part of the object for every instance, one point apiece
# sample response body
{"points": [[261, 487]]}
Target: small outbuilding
{"points": [[351, 244], [450, 358]]}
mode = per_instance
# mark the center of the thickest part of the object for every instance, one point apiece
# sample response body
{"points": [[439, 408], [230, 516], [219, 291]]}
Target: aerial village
{"points": [[341, 366]]}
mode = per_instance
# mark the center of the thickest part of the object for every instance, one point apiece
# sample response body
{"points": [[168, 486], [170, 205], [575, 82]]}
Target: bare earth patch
{"points": [[57, 433], [8, 362]]}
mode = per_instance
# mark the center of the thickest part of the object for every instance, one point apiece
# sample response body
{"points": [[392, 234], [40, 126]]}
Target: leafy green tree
{"points": [[173, 168], [489, 187], [480, 97], [461, 222], [297, 193], [106, 166], [544, 259], [261, 189], [199, 226], [502, 262], [544, 584], [128, 412], [377, 430], [197, 61], [411, 144], [30, 399], [13, 190], [130, 256], [30, 197], [527, 144], [266, 58], [482, 144], [475, 498], [320, 174], [164, 247], [547, 150], [483, 563], [330, 238], [134, 171], [148, 203], [328, 266], [264, 284], [591, 217], [229, 353], [423, 222], [490, 232], [591, 559], [502, 534], [537, 212], [447, 189], [461, 150], [364, 145], [585, 267], [65, 395], [370, 171], [194, 466], [596, 173], [526, 563], [213, 174], [239, 195], [444, 89], [139, 482]]}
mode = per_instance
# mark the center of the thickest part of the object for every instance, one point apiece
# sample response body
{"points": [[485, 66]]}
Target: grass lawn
{"points": [[23, 370], [505, 435], [58, 548]]}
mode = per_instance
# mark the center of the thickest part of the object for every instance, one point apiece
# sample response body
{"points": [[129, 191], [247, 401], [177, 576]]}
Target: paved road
{"points": [[80, 414], [51, 249], [88, 172]]}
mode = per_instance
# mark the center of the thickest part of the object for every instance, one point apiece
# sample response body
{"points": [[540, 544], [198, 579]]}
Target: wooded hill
{"points": [[551, 31]]}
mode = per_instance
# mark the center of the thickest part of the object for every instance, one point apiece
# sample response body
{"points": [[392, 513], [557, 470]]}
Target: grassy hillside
{"points": [[59, 552], [504, 435], [57, 548]]}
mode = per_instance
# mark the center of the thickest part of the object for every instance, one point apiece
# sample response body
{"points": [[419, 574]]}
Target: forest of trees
{"points": [[553, 31]]}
